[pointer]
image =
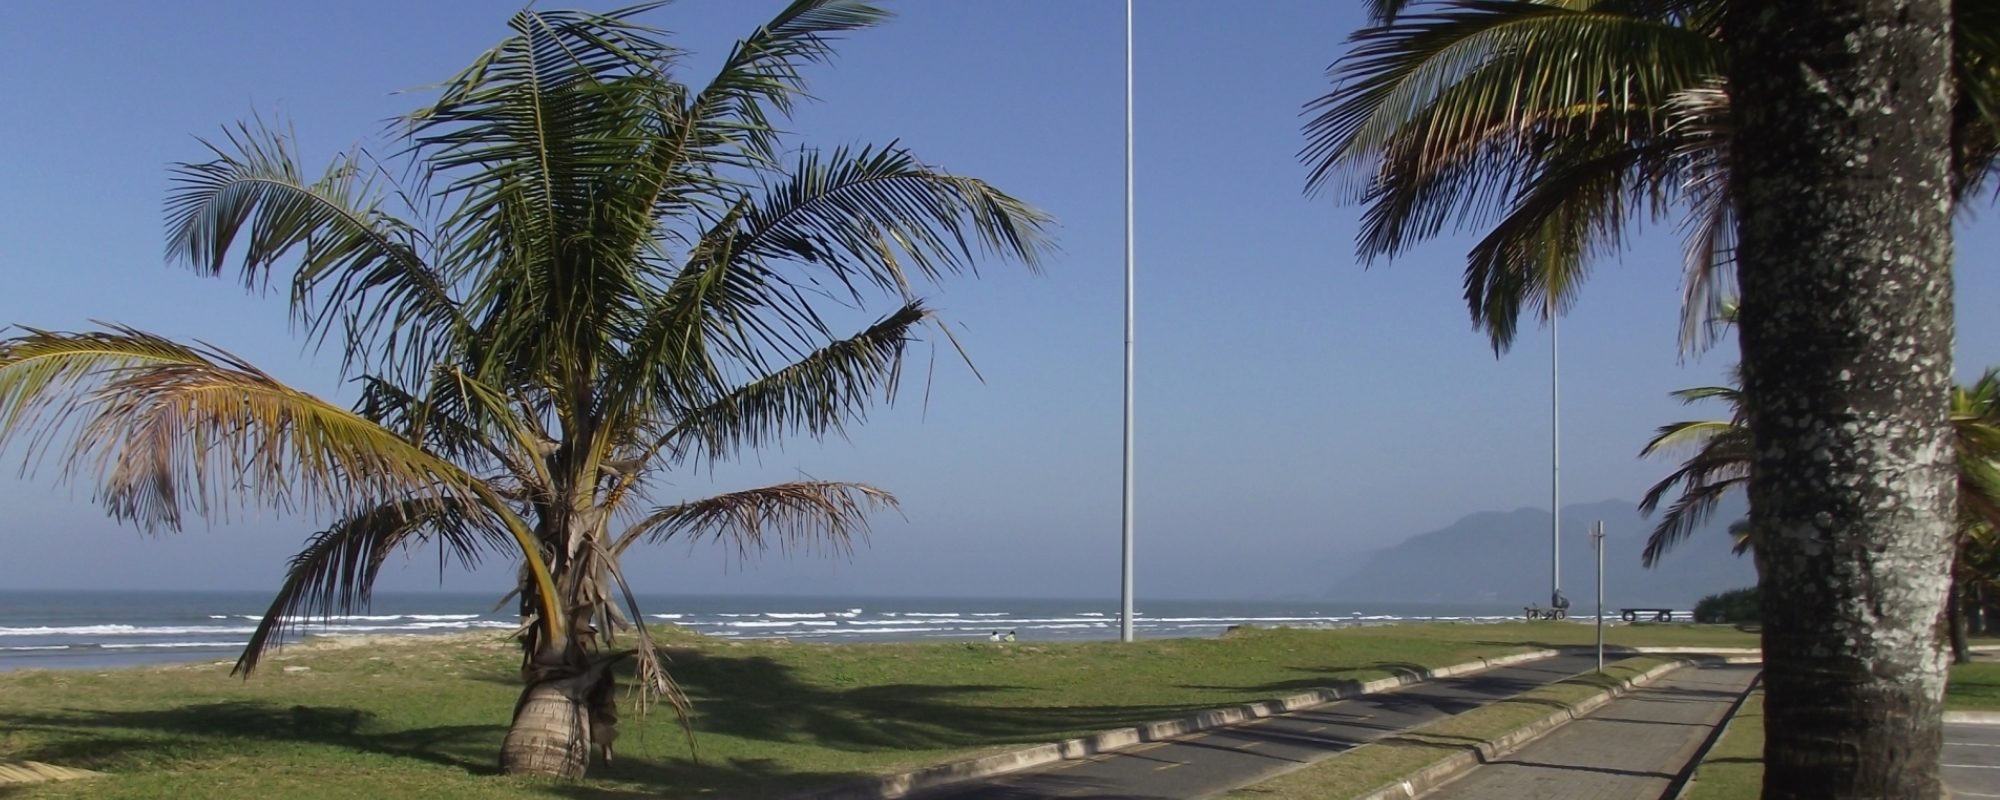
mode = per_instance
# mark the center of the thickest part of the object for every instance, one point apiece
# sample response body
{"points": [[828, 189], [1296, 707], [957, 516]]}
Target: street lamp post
{"points": [[1125, 595]]}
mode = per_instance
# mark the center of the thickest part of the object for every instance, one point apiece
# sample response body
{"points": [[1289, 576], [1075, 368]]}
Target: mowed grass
{"points": [[1734, 769], [1391, 759], [425, 718]]}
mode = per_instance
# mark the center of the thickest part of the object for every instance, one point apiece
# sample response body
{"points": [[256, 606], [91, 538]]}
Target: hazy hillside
{"points": [[1503, 557]]}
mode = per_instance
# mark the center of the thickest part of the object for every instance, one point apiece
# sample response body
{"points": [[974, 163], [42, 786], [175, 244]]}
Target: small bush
{"points": [[1735, 605]]}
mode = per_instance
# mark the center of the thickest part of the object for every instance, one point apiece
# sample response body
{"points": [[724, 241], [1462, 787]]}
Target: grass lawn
{"points": [[1734, 770], [1376, 764], [425, 718]]}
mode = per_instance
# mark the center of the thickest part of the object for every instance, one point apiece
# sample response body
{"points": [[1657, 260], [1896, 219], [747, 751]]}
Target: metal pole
{"points": [[1555, 466], [1125, 599], [1597, 540]]}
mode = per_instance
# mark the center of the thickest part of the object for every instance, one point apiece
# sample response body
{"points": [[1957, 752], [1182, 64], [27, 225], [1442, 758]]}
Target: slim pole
{"points": [[1125, 598], [1597, 540], [1555, 467]]}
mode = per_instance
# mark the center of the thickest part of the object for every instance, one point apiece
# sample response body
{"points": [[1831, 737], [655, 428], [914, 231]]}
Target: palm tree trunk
{"points": [[550, 736], [1842, 187]]}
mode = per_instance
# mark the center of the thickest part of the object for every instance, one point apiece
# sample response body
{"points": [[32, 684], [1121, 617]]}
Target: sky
{"points": [[1296, 408]]}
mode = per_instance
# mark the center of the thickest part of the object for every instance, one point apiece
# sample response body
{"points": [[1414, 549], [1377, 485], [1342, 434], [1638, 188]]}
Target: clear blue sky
{"points": [[1295, 409]]}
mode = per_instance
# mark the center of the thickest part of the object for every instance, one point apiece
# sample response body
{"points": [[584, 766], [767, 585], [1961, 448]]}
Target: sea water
{"points": [[107, 629]]}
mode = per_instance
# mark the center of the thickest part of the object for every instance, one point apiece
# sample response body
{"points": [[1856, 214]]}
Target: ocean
{"points": [[92, 630]]}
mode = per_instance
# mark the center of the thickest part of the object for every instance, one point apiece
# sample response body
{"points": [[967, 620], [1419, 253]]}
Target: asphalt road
{"points": [[1205, 763], [1972, 760]]}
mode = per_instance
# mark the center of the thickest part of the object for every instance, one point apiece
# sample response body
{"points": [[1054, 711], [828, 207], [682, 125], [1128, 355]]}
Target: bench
{"points": [[1658, 614], [1537, 612]]}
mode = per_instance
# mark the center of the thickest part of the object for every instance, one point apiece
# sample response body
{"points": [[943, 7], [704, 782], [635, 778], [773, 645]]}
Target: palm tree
{"points": [[1720, 464], [1556, 125], [598, 275]]}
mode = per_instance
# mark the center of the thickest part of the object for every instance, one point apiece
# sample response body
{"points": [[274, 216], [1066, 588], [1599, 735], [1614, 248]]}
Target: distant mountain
{"points": [[1503, 557]]}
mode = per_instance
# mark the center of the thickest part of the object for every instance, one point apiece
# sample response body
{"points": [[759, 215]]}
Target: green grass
{"points": [[1734, 768], [425, 719], [1382, 762], [1974, 687]]}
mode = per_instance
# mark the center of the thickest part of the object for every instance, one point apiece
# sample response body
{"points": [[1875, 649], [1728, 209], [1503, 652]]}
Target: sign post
{"points": [[1597, 542]]}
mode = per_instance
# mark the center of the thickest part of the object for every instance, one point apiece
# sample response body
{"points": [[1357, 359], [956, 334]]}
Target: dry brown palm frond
{"points": [[167, 426]]}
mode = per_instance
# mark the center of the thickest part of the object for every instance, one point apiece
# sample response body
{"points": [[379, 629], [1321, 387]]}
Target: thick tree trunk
{"points": [[550, 736], [1843, 188]]}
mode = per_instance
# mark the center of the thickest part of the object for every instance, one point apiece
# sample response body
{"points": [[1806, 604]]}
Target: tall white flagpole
{"points": [[1125, 607]]}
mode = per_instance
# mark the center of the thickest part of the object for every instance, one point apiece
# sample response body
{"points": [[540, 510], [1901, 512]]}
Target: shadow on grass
{"points": [[95, 738], [750, 697]]}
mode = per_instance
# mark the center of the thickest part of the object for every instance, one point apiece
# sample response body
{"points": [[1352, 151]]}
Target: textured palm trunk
{"points": [[550, 736], [1841, 162]]}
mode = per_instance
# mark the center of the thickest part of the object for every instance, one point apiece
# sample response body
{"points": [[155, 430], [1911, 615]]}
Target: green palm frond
{"points": [[763, 71], [1691, 433], [850, 213], [358, 273], [792, 516], [1688, 513], [815, 395], [335, 573], [1548, 119], [1445, 86]]}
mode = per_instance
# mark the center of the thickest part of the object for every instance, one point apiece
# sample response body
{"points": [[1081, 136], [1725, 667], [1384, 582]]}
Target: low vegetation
{"points": [[424, 718]]}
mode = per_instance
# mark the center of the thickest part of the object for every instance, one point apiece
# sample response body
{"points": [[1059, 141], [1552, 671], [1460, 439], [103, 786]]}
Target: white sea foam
{"points": [[164, 645], [778, 624], [922, 614], [992, 613], [665, 616], [39, 647], [779, 615]]}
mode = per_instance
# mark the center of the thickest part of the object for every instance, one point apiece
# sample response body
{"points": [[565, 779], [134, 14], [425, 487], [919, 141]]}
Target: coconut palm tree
{"points": [[596, 275], [1555, 126]]}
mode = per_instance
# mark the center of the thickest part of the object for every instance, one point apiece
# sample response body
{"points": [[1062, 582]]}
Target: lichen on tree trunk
{"points": [[1843, 188]]}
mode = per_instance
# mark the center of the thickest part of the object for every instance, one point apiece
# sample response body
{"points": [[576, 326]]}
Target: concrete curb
{"points": [[1972, 717], [892, 787], [1456, 764]]}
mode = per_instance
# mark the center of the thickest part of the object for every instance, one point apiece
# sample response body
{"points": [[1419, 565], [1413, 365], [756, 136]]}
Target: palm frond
{"points": [[358, 272], [763, 71], [790, 515], [1694, 508], [1692, 433], [814, 395], [168, 425], [335, 573]]}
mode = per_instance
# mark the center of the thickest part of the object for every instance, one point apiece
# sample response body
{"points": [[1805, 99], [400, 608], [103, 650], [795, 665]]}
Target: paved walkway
{"points": [[1202, 764], [1972, 760], [1633, 747]]}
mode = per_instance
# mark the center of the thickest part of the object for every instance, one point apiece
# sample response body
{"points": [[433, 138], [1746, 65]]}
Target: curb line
{"points": [[1973, 717], [1456, 764], [893, 787]]}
